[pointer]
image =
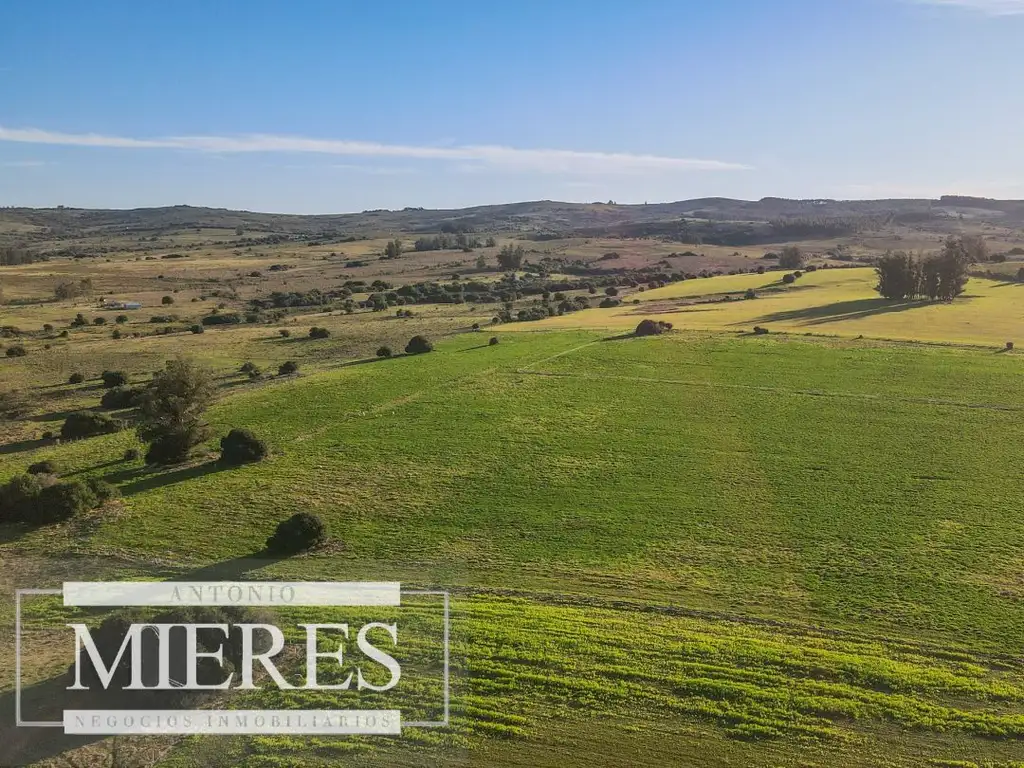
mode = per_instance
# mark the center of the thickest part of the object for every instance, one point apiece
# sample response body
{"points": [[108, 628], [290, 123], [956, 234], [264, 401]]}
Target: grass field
{"points": [[831, 302], [702, 548]]}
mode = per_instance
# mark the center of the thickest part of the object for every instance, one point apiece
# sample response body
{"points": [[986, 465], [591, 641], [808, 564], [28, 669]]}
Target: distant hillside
{"points": [[710, 219]]}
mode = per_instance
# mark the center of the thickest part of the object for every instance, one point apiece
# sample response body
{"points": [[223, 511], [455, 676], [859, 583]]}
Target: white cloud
{"points": [[24, 163], [508, 158], [988, 7]]}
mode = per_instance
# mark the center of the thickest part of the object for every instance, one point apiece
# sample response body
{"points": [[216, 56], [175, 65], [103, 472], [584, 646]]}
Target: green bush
{"points": [[16, 350], [384, 351], [18, 497], [45, 467], [132, 454], [121, 397], [300, 532], [171, 448], [318, 333], [76, 378], [285, 333], [102, 490], [418, 345], [648, 328], [789, 279], [493, 341], [62, 501], [88, 424], [196, 328], [287, 367], [241, 446], [113, 379]]}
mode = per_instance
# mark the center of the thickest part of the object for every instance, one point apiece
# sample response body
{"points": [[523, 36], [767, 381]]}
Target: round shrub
{"points": [[76, 378], [1009, 346], [318, 333], [611, 291], [300, 532], [16, 350], [132, 454], [62, 501], [88, 424], [165, 300], [99, 320], [384, 351], [18, 498], [241, 446], [113, 379], [121, 319], [285, 333], [759, 331], [649, 328], [248, 367], [47, 327], [121, 397], [197, 328], [102, 490], [750, 294], [493, 341], [169, 449], [476, 326], [45, 467], [789, 279], [418, 345], [287, 367]]}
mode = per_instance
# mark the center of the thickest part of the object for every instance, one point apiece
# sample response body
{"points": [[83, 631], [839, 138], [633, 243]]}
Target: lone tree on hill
{"points": [[791, 258], [171, 410], [510, 258]]}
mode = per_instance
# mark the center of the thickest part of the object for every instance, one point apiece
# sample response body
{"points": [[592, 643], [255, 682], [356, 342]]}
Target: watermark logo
{"points": [[211, 644]]}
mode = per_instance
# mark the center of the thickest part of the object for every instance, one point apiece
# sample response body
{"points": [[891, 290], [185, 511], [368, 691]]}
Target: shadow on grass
{"points": [[146, 478], [621, 336], [843, 310], [25, 445]]}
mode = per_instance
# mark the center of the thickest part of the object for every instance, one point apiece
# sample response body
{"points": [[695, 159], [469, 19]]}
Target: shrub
{"points": [[1009, 345], [300, 532], [48, 435], [62, 501], [789, 279], [493, 341], [172, 448], [47, 328], [609, 302], [285, 333], [99, 320], [248, 367], [102, 490], [116, 334], [121, 319], [88, 424], [132, 454], [750, 294], [648, 328], [113, 379], [287, 367], [121, 397], [18, 498], [476, 326], [228, 318], [611, 290], [318, 333], [45, 467], [76, 378], [759, 331], [197, 328], [384, 351], [165, 300], [241, 446], [79, 321], [418, 345], [16, 350]]}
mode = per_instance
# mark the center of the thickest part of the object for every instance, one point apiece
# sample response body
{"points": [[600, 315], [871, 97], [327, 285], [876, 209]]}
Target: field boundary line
{"points": [[780, 390]]}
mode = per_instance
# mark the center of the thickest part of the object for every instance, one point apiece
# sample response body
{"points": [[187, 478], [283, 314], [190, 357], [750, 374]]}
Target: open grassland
{"points": [[693, 549], [831, 302]]}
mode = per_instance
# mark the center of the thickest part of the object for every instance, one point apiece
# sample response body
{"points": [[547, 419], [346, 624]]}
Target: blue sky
{"points": [[333, 106]]}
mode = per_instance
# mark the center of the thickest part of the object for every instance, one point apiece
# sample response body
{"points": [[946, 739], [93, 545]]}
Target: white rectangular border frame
{"points": [[18, 593]]}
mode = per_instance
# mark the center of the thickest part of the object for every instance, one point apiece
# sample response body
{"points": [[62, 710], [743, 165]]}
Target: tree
{"points": [[171, 409], [318, 333], [72, 289], [113, 379], [165, 300], [418, 345], [510, 258], [241, 446], [899, 276], [974, 248], [791, 258], [393, 249]]}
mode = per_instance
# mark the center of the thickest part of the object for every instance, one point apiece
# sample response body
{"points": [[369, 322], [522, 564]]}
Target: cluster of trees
{"points": [[72, 289], [942, 275], [40, 497], [393, 249], [11, 256], [449, 242], [510, 257]]}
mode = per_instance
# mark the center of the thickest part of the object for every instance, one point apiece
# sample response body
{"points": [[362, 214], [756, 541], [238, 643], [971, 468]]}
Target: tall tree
{"points": [[171, 411]]}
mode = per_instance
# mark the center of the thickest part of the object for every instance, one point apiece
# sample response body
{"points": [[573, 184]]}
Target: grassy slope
{"points": [[839, 301], [626, 525]]}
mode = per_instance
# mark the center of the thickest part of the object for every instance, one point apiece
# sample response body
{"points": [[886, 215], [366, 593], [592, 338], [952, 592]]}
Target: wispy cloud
{"points": [[24, 163], [509, 158], [987, 7]]}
